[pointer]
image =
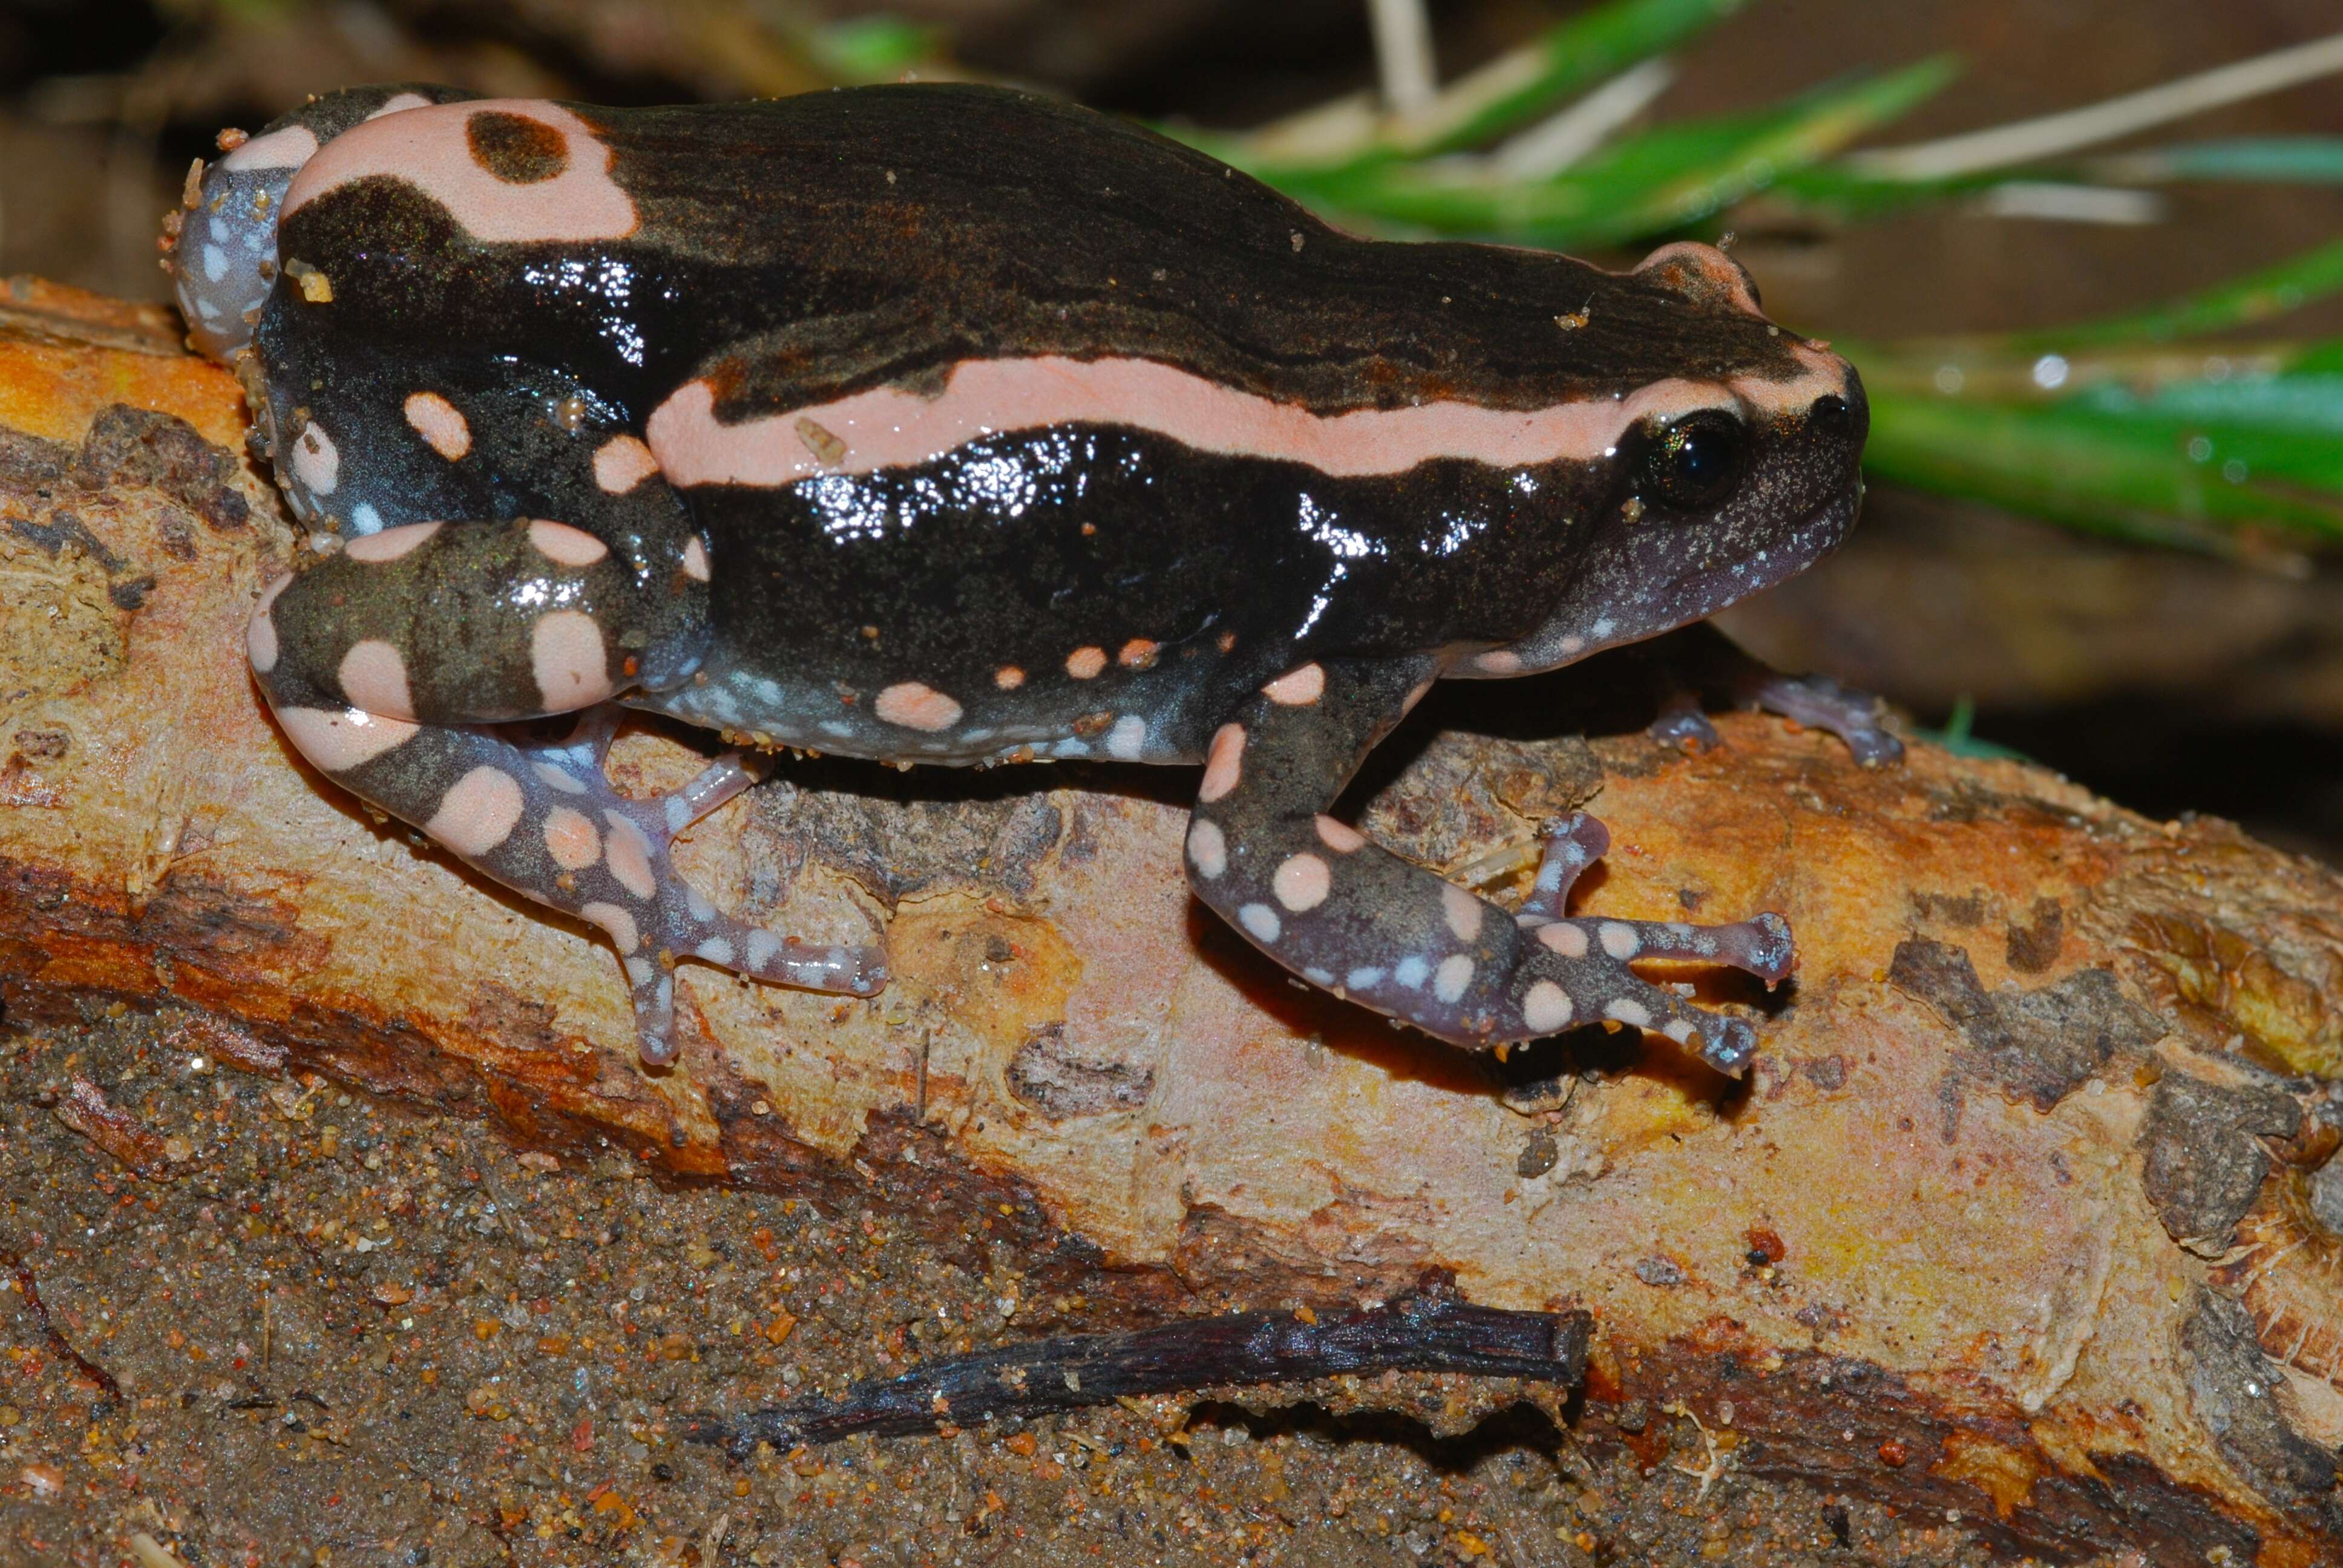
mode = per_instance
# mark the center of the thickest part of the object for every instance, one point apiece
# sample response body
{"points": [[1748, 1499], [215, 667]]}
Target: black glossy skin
{"points": [[796, 252]]}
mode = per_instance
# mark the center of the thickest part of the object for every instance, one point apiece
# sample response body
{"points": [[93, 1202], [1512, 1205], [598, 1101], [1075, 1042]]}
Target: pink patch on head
{"points": [[477, 813], [629, 855], [1084, 663], [572, 667], [337, 742], [1464, 912], [695, 560], [440, 423], [400, 101], [621, 463], [616, 921], [431, 149], [1301, 882], [374, 677], [260, 632], [916, 707], [283, 149], [1702, 272], [1566, 939], [1340, 837], [571, 838], [1298, 687], [390, 544], [565, 545], [1226, 763]]}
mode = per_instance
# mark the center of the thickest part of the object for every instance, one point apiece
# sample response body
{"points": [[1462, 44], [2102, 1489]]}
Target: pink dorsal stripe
{"points": [[888, 428], [429, 149]]}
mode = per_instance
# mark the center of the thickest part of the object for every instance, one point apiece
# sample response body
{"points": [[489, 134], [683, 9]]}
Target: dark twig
{"points": [[31, 1292], [1432, 1330]]}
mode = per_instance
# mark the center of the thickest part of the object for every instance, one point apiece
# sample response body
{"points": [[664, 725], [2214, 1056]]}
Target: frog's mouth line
{"points": [[1661, 610]]}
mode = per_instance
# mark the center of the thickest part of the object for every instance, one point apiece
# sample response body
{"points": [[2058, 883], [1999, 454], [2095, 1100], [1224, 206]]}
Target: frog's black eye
{"points": [[1694, 463]]}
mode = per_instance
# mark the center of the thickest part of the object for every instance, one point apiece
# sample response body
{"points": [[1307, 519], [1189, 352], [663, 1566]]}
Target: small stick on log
{"points": [[1430, 1330]]}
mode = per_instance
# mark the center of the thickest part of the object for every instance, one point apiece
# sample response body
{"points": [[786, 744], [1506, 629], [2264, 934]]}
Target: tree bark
{"points": [[2023, 1211]]}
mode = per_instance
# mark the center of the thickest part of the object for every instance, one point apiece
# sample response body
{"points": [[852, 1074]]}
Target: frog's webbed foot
{"points": [[1701, 660], [396, 694], [1590, 957]]}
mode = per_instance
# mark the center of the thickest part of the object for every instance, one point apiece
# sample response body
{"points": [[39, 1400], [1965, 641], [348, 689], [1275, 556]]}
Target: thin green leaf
{"points": [[873, 48], [2273, 291], [2297, 160], [1959, 737]]}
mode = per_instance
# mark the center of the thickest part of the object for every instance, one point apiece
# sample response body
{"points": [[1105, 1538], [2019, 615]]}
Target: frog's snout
{"points": [[223, 259]]}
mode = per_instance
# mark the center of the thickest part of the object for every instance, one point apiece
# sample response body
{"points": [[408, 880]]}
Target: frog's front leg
{"points": [[1347, 915], [387, 665]]}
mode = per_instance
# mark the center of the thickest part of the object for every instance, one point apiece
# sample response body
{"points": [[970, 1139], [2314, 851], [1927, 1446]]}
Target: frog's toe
{"points": [[1566, 983], [1857, 717]]}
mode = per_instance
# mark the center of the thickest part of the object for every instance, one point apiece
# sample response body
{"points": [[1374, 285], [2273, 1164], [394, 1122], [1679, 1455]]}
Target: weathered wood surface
{"points": [[2021, 1214]]}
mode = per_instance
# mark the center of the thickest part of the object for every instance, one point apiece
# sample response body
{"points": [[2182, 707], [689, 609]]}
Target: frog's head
{"points": [[1711, 485], [222, 252]]}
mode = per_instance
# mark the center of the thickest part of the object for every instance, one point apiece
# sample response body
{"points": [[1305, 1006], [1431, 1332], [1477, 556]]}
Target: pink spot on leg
{"points": [[374, 677], [1462, 910], [440, 423], [478, 813], [1298, 687], [1208, 847], [621, 463], [390, 544], [1566, 939], [1545, 1007], [571, 838], [915, 706], [695, 560], [1084, 663], [618, 922], [572, 667], [338, 742], [565, 545], [1301, 882], [260, 633], [1340, 835], [1009, 678], [629, 855], [1226, 764]]}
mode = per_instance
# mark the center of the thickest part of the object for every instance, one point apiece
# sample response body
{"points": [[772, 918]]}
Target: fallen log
{"points": [[2024, 1211]]}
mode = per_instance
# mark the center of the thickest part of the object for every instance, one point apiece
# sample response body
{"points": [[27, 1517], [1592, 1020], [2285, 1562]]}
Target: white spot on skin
{"points": [[1128, 739], [1084, 663], [1261, 921], [557, 779], [374, 677], [316, 461], [287, 149], [1566, 939], [1412, 972], [1499, 661], [1619, 941], [1680, 1032], [478, 813], [565, 545], [1340, 837], [566, 652], [716, 950], [1297, 687], [1324, 979], [571, 838], [260, 633], [364, 519], [379, 548], [1632, 1014], [337, 742], [1224, 765], [1208, 848], [621, 463], [1364, 978], [639, 972], [1301, 882], [630, 857], [1545, 1006], [915, 706], [763, 949], [215, 263], [616, 921], [440, 423], [1455, 973], [695, 559], [431, 149], [1464, 912], [702, 909]]}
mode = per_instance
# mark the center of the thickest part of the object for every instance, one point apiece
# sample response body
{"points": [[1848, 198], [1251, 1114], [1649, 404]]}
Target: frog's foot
{"points": [[1700, 660], [658, 919], [1589, 958]]}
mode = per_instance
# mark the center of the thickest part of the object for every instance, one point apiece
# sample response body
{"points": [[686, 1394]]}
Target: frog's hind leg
{"points": [[389, 666]]}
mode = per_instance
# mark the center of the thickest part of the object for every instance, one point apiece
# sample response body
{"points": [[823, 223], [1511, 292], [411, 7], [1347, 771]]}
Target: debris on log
{"points": [[2025, 1209]]}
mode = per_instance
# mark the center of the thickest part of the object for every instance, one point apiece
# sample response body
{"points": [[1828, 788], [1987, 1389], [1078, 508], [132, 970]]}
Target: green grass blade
{"points": [[2278, 160], [2273, 291]]}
